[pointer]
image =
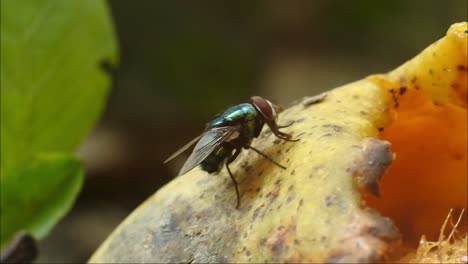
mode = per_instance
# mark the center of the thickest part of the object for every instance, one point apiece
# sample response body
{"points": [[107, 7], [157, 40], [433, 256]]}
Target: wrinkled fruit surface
{"points": [[400, 136]]}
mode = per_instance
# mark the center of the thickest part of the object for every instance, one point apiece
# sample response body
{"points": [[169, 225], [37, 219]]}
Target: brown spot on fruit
{"points": [[375, 160], [329, 200], [402, 90], [255, 213], [280, 240], [301, 202], [334, 128]]}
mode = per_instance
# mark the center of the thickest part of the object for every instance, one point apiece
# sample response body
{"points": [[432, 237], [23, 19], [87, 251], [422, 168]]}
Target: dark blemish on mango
{"points": [[244, 236], [301, 202], [277, 141], [340, 258], [328, 135], [381, 129], [272, 195], [297, 242], [278, 151], [300, 120], [329, 200], [258, 189], [355, 96], [292, 172], [323, 239], [262, 241], [287, 150], [466, 31], [461, 67], [363, 113], [402, 90], [335, 128], [290, 188], [376, 158], [287, 160], [300, 134], [431, 71], [260, 173], [394, 98], [279, 206], [278, 247], [255, 213], [247, 253], [290, 198]]}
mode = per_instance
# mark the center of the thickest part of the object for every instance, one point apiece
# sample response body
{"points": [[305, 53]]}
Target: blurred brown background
{"points": [[181, 62]]}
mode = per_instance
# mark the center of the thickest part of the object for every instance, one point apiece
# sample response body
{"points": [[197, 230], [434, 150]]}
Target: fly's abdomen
{"points": [[213, 162]]}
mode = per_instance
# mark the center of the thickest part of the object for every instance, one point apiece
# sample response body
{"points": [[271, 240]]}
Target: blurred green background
{"points": [[182, 62]]}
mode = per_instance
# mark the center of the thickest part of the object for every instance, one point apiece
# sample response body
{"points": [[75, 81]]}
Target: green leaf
{"points": [[42, 190], [53, 90]]}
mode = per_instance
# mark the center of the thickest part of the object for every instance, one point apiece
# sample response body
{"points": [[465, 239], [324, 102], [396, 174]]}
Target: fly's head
{"points": [[269, 113]]}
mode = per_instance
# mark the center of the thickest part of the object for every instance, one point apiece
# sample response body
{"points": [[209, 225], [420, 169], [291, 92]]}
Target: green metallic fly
{"points": [[232, 130]]}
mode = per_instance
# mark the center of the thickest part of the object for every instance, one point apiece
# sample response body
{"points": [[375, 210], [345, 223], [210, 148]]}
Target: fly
{"points": [[226, 135]]}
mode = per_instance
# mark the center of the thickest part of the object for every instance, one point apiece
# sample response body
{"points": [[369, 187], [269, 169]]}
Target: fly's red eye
{"points": [[264, 107]]}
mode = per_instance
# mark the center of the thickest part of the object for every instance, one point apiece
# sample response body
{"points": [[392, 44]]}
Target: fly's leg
{"points": [[230, 159], [284, 136], [265, 156], [286, 125]]}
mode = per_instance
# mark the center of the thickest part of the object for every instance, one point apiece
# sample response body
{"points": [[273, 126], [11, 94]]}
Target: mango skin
{"points": [[314, 211]]}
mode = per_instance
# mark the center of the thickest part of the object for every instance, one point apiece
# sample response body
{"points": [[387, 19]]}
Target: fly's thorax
{"points": [[234, 115], [243, 115]]}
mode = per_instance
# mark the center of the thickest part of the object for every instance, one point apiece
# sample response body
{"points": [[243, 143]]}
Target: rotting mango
{"points": [[411, 121]]}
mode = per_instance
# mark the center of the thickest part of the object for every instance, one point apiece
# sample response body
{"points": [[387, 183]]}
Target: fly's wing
{"points": [[209, 141], [182, 149]]}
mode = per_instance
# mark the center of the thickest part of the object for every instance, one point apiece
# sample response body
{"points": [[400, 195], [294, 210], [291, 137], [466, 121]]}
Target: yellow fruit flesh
{"points": [[428, 133]]}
